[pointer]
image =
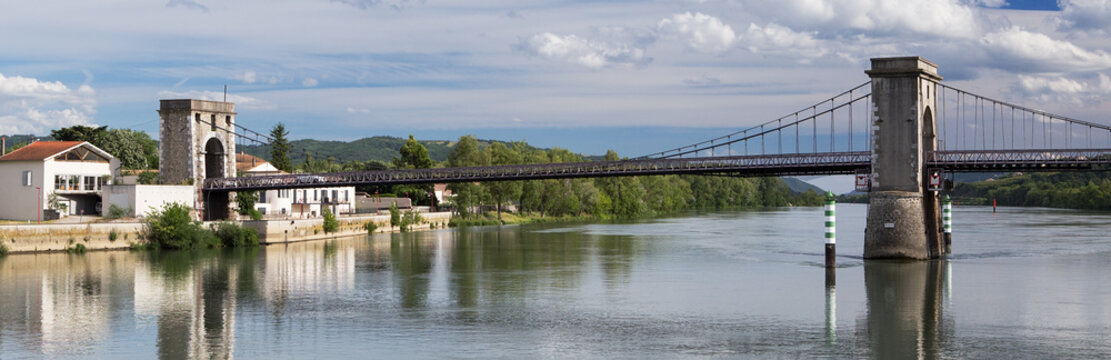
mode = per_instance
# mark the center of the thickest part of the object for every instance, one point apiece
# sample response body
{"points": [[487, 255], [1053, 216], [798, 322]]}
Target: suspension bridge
{"points": [[900, 130]]}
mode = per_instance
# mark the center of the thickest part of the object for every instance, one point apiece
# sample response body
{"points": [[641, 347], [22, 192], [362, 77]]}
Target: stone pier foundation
{"points": [[896, 229]]}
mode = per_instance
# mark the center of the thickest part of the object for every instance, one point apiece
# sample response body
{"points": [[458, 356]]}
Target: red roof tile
{"points": [[244, 162], [40, 150]]}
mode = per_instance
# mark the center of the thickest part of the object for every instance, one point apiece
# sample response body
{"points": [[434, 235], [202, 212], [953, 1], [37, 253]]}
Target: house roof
{"points": [[42, 150], [245, 163]]}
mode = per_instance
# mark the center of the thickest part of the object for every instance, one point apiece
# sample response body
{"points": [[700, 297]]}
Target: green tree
{"points": [[125, 145], [466, 153], [413, 156], [395, 215], [245, 201], [502, 191], [279, 148], [331, 225], [91, 134]]}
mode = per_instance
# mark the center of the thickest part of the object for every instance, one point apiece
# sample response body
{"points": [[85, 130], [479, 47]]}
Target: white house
{"points": [[70, 172], [296, 203]]}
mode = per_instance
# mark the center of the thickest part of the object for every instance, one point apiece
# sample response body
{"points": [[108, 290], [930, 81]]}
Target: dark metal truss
{"points": [[754, 165]]}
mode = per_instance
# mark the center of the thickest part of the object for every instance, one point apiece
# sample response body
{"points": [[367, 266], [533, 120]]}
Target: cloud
{"points": [[1059, 89], [611, 46], [241, 101], [249, 77], [28, 105], [1030, 51], [1085, 15], [188, 4], [780, 40], [941, 18], [368, 4], [309, 82], [352, 110], [703, 81], [700, 32]]}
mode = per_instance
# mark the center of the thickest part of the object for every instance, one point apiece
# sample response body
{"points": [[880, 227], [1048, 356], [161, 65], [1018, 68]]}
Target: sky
{"points": [[633, 76]]}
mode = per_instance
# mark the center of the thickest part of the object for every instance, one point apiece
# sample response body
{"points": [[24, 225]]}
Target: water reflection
{"points": [[906, 317]]}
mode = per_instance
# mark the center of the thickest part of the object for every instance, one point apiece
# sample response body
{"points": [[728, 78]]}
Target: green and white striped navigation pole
{"points": [[831, 231], [947, 224]]}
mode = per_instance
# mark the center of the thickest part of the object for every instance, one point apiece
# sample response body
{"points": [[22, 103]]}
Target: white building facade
{"points": [[64, 175], [295, 203]]}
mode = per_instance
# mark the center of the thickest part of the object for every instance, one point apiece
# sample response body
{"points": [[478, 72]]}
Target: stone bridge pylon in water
{"points": [[903, 213]]}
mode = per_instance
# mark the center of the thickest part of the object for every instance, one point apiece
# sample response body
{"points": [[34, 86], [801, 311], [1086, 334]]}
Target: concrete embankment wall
{"points": [[97, 236], [283, 231], [59, 237]]}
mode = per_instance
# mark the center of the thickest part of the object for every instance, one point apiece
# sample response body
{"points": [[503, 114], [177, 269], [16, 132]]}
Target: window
{"points": [[197, 116], [334, 197], [262, 197], [315, 195], [213, 118], [59, 182], [283, 211], [227, 120], [90, 183], [27, 178], [294, 196]]}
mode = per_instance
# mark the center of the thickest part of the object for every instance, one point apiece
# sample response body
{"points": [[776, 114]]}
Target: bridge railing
{"points": [[776, 164]]}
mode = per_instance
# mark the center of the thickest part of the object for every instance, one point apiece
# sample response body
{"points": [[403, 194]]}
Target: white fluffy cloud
{"points": [[701, 32], [943, 18], [309, 82], [1060, 89], [592, 53], [780, 40], [1031, 51], [1086, 15], [28, 105]]}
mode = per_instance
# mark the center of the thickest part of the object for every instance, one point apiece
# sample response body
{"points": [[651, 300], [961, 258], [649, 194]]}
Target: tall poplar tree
{"points": [[279, 148]]}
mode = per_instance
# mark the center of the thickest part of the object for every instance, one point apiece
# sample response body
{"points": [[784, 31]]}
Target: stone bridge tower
{"points": [[197, 141], [902, 213]]}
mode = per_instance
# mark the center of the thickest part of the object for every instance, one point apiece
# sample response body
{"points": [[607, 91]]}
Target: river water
{"points": [[1022, 283]]}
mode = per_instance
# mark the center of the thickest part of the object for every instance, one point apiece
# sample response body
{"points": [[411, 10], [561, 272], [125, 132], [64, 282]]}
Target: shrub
{"points": [[116, 212], [395, 215], [254, 214], [3, 250], [149, 178], [330, 223], [77, 249], [245, 202], [173, 228], [233, 235], [370, 226], [113, 235], [409, 219]]}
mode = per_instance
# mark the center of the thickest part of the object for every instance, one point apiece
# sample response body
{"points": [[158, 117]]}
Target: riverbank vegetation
{"points": [[599, 198], [172, 227], [1067, 190]]}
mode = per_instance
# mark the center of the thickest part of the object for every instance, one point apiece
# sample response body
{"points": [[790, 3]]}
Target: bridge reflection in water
{"points": [[906, 314]]}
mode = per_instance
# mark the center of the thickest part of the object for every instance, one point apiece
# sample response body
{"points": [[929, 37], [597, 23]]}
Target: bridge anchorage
{"points": [[903, 129]]}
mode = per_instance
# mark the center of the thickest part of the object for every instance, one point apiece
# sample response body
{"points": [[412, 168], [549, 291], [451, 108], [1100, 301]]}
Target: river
{"points": [[1022, 283]]}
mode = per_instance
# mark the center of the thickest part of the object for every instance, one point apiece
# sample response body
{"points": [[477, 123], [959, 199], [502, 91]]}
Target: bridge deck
{"points": [[752, 165]]}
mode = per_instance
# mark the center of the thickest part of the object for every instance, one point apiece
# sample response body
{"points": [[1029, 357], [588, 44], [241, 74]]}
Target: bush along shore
{"points": [[173, 228]]}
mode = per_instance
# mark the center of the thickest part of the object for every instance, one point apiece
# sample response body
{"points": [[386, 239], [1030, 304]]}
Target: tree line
{"points": [[1069, 190]]}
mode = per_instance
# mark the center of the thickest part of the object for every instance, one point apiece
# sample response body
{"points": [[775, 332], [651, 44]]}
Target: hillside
{"points": [[382, 148], [799, 186]]}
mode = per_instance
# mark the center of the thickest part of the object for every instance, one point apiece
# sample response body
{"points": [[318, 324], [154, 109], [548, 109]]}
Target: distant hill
{"points": [[382, 148], [798, 186]]}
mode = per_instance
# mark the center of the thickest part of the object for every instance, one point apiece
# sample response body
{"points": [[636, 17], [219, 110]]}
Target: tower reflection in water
{"points": [[906, 317]]}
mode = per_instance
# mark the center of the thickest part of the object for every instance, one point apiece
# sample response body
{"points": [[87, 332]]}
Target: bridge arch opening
{"points": [[929, 197], [214, 159]]}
